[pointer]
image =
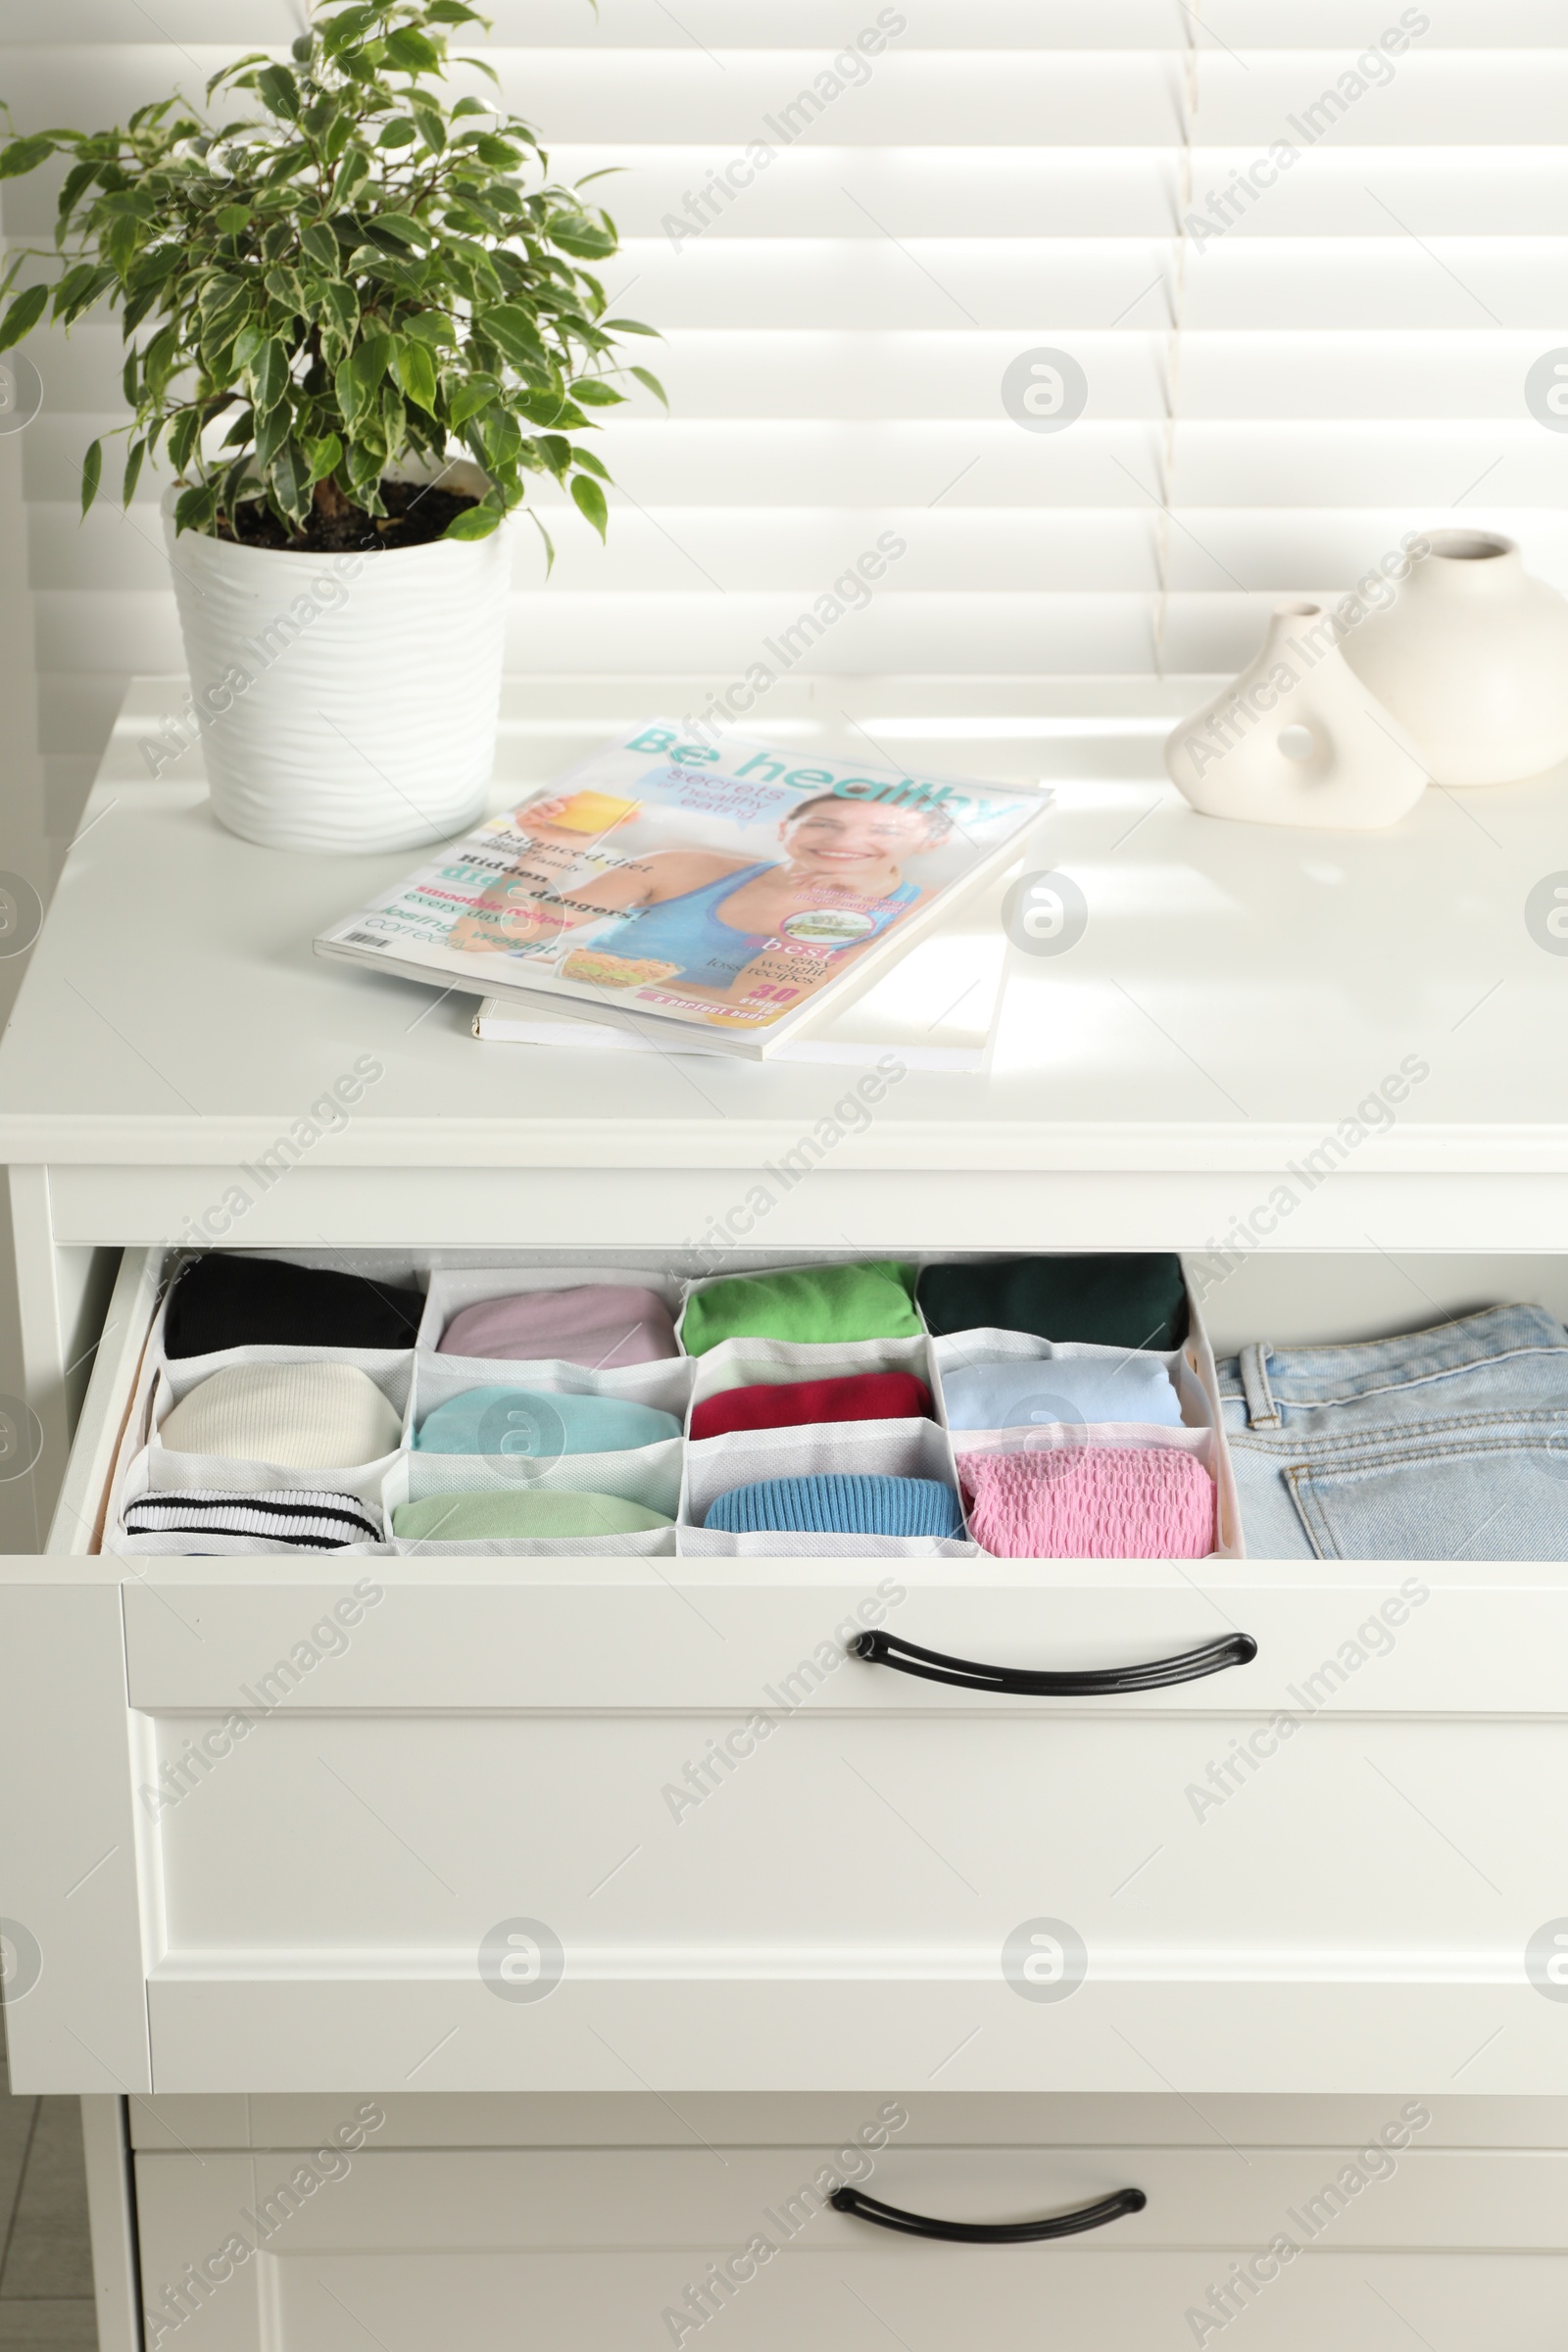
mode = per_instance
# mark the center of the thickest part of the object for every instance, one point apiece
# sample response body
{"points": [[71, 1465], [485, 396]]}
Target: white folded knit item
{"points": [[302, 1517], [304, 1416]]}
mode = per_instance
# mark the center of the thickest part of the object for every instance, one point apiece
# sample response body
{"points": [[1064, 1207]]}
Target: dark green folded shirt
{"points": [[1112, 1298]]}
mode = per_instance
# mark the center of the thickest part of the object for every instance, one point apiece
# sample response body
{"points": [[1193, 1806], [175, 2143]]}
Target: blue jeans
{"points": [[1442, 1444]]}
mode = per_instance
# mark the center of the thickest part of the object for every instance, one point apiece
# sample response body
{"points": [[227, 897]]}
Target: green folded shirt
{"points": [[521, 1511], [815, 1305]]}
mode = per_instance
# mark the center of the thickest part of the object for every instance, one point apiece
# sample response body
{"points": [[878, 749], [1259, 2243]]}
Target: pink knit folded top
{"points": [[1094, 1503]]}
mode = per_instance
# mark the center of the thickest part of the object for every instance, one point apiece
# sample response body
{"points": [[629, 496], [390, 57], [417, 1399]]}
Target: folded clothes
{"points": [[306, 1416], [1090, 1502], [1116, 1299], [813, 1305], [839, 1505], [527, 1421], [603, 1325], [299, 1517], [222, 1302], [520, 1512], [792, 1404], [1011, 1394]]}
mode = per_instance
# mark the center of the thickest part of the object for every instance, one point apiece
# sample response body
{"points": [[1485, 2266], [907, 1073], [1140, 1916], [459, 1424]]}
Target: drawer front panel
{"points": [[331, 1881], [633, 2248]]}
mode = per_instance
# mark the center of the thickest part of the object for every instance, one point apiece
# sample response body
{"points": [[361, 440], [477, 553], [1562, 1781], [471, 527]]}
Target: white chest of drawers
{"points": [[855, 1903]]}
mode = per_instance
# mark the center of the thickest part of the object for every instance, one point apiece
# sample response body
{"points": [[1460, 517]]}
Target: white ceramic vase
{"points": [[345, 702], [1297, 739], [1472, 656]]}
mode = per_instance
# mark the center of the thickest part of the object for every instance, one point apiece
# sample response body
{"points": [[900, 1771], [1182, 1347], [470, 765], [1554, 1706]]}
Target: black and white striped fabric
{"points": [[299, 1517]]}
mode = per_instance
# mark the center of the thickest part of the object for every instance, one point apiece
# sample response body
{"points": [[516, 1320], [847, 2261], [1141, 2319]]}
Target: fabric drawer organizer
{"points": [[658, 1495]]}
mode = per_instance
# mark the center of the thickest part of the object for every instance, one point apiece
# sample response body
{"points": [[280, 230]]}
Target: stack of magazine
{"points": [[732, 897]]}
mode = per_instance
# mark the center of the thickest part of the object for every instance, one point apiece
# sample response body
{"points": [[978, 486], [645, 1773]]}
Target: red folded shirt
{"points": [[786, 1404]]}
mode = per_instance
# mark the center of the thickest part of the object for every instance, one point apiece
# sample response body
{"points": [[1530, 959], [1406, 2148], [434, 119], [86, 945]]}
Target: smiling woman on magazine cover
{"points": [[713, 925]]}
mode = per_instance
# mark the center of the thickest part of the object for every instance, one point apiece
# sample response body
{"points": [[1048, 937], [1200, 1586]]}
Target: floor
{"points": [[46, 2300]]}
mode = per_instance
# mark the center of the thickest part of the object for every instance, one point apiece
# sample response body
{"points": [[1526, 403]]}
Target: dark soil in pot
{"points": [[414, 515]]}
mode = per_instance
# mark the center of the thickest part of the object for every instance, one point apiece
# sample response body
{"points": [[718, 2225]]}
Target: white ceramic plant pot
{"points": [[345, 702], [1472, 656], [1297, 739]]}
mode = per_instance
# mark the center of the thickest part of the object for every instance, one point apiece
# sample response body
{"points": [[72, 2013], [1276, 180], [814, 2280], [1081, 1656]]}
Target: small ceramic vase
{"points": [[1297, 739], [1472, 656]]}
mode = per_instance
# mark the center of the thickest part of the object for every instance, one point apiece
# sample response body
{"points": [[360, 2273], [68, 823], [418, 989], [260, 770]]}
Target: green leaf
{"points": [[629, 326], [23, 316], [269, 374], [474, 522], [183, 438], [290, 486], [320, 244], [247, 343], [253, 57], [325, 458], [579, 237], [499, 153], [512, 329], [411, 52], [402, 227], [279, 89], [595, 393], [92, 466], [452, 12], [417, 374], [428, 326], [589, 500], [468, 400], [195, 507], [470, 106], [645, 376], [399, 132], [550, 544], [78, 178], [433, 130], [133, 459], [343, 304], [24, 155], [349, 25], [596, 466]]}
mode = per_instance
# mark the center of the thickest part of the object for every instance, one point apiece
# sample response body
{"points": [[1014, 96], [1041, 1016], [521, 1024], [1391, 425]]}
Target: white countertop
{"points": [[1238, 992]]}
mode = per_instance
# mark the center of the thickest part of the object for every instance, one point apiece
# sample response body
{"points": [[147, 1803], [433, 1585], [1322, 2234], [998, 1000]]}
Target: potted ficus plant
{"points": [[324, 298]]}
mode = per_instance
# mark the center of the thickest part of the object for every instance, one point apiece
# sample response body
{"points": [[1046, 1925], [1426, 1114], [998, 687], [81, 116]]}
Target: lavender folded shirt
{"points": [[603, 1325]]}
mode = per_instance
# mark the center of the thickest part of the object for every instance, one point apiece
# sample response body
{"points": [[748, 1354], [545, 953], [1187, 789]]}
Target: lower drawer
{"points": [[1363, 2247]]}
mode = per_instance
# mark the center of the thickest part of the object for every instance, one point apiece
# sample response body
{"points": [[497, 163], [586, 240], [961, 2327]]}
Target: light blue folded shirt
{"points": [[1016, 1393], [528, 1421]]}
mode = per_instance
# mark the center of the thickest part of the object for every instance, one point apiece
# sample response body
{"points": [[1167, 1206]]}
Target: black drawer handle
{"points": [[990, 2233], [1021, 1682]]}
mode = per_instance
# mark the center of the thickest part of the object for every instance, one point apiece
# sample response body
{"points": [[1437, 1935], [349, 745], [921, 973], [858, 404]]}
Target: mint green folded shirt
{"points": [[525, 1421], [814, 1305], [538, 1511]]}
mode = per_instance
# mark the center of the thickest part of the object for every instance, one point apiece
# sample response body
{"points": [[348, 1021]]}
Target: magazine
{"points": [[726, 891]]}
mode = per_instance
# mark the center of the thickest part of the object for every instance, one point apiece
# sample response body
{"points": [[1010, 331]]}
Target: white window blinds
{"points": [[1302, 260]]}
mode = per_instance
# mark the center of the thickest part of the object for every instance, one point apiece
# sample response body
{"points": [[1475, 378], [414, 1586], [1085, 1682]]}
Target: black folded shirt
{"points": [[222, 1302]]}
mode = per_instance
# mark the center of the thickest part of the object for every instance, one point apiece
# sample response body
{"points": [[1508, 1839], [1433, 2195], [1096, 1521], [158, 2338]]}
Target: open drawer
{"points": [[606, 1823]]}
